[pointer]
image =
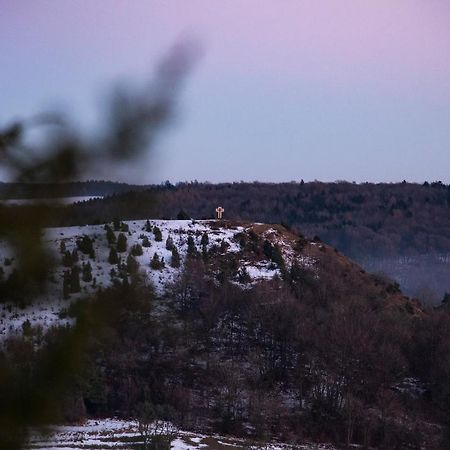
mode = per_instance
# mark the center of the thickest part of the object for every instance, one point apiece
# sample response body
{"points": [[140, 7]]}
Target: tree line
{"points": [[386, 219]]}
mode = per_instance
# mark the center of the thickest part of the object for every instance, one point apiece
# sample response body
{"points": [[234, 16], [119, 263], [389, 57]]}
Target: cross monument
{"points": [[219, 212]]}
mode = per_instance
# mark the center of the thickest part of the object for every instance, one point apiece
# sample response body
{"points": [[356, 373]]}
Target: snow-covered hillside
{"points": [[223, 238]]}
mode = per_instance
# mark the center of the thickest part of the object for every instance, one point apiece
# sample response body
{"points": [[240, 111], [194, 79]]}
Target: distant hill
{"points": [[402, 229], [76, 189]]}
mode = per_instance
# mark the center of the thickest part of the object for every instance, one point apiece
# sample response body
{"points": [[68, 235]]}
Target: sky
{"points": [[285, 90]]}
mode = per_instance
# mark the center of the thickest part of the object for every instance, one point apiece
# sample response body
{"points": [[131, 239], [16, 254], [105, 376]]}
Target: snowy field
{"points": [[114, 433]]}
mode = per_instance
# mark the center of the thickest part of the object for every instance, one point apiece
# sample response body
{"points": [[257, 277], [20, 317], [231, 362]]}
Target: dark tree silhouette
{"points": [[133, 121]]}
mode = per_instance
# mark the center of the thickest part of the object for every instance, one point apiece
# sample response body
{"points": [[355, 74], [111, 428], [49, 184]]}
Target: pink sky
{"points": [[347, 37], [351, 57]]}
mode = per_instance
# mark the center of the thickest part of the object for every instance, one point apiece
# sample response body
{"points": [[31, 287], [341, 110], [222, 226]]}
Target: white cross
{"points": [[219, 212]]}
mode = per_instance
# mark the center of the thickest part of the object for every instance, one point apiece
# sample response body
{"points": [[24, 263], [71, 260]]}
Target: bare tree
{"points": [[156, 433]]}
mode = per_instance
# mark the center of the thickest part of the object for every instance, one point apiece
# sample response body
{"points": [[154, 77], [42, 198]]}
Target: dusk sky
{"points": [[285, 90]]}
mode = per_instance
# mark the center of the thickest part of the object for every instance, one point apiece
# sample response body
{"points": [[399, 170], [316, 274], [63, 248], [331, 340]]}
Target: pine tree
{"points": [[148, 227], [75, 280], [116, 224], [169, 243], [121, 243], [125, 281], [113, 257], [175, 261], [85, 245], [74, 256], [110, 236], [87, 272], [67, 259], [277, 257], [132, 264], [204, 242], [191, 248], [66, 285], [244, 276], [268, 249], [27, 329], [62, 247], [146, 242], [205, 239], [273, 252], [224, 246], [121, 269], [157, 233], [136, 250], [155, 263]]}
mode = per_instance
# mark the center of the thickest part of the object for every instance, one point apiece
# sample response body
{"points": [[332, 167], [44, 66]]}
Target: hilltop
{"points": [[245, 254]]}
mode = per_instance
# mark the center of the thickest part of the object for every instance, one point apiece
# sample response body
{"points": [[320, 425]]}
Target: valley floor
{"points": [[105, 434]]}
